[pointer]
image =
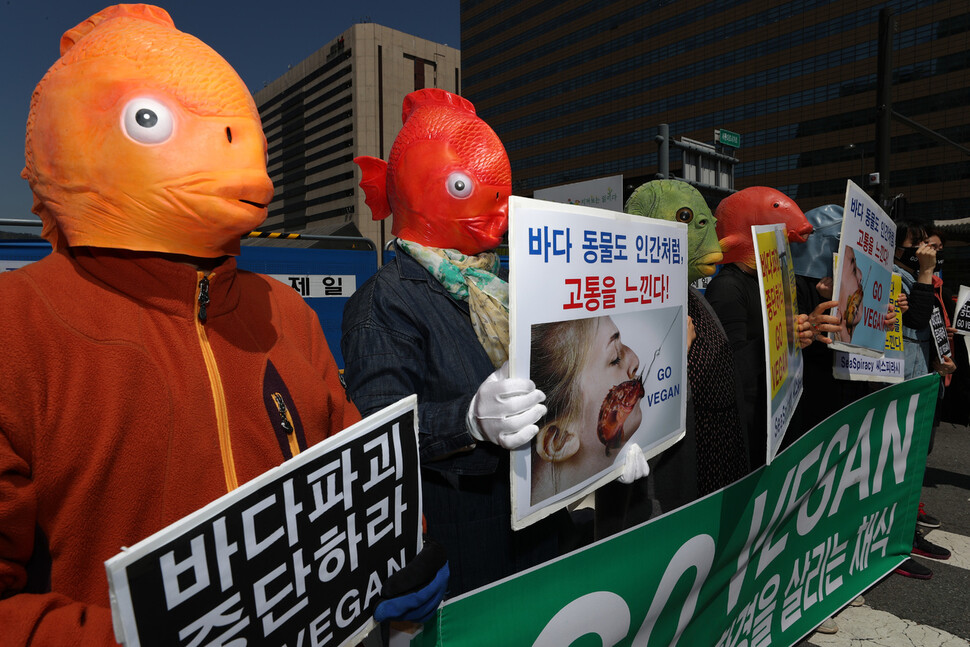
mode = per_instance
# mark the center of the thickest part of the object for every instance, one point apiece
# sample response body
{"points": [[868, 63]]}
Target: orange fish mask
{"points": [[756, 205], [447, 180], [142, 137]]}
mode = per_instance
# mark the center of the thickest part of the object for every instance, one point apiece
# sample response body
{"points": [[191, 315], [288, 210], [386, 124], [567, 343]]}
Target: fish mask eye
{"points": [[776, 205], [684, 214], [459, 185], [147, 121]]}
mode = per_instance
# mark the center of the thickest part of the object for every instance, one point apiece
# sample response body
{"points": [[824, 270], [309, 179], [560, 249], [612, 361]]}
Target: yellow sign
{"points": [[894, 334], [775, 288]]}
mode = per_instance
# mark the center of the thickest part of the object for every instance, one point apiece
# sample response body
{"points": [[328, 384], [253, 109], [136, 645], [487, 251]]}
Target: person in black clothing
{"points": [[915, 261], [956, 379], [813, 264]]}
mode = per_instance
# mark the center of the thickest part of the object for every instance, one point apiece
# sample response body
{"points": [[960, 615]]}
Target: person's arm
{"points": [[35, 618], [382, 366], [920, 300], [926, 256]]}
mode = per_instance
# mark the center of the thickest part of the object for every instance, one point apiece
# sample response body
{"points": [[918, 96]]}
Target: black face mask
{"points": [[910, 260]]}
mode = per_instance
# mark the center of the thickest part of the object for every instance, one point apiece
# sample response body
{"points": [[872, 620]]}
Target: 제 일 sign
{"points": [[297, 556]]}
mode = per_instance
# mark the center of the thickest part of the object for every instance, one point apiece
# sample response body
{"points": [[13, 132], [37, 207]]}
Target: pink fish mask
{"points": [[447, 180], [756, 205]]}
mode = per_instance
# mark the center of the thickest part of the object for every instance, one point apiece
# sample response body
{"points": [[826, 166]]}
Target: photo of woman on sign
{"points": [[851, 293], [594, 383]]}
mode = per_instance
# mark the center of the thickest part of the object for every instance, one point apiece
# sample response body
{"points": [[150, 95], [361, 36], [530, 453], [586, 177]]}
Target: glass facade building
{"points": [[577, 88], [343, 101]]}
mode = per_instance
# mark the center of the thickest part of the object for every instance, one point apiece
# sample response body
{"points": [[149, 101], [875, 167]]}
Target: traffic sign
{"points": [[728, 138]]}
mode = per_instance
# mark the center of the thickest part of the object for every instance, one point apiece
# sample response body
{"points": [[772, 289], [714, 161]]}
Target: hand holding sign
{"points": [[635, 464], [504, 410], [944, 367], [820, 322], [414, 592]]}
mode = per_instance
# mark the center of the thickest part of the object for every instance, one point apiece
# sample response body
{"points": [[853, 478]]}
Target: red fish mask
{"points": [[756, 205], [447, 180], [142, 137]]}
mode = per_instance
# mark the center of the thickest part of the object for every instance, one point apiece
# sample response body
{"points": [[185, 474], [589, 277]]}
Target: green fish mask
{"points": [[680, 202]]}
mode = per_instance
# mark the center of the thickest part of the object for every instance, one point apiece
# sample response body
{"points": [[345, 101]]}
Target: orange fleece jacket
{"points": [[122, 412]]}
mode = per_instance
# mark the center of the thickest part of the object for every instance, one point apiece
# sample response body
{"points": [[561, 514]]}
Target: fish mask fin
{"points": [[139, 11], [433, 97], [374, 183]]}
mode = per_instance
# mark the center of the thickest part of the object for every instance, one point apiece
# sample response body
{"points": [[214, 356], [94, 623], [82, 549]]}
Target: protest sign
{"points": [[962, 319], [295, 556], [776, 278], [888, 368], [941, 343], [862, 277], [760, 562], [598, 320]]}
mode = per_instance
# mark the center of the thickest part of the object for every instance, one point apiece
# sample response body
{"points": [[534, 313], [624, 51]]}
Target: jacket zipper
{"points": [[286, 423], [215, 382]]}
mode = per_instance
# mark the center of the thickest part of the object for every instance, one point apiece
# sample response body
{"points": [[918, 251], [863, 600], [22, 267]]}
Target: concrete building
{"points": [[576, 89], [343, 101]]}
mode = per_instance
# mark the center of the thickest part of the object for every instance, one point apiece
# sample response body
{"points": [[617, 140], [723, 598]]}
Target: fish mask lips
{"points": [[187, 177], [800, 234], [706, 265]]}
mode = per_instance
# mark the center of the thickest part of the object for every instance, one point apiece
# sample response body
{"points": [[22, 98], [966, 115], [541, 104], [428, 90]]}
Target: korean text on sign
{"points": [[305, 553], [594, 292]]}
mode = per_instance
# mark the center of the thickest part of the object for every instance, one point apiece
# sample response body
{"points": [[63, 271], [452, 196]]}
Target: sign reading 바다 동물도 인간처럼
{"points": [[295, 556], [761, 562], [598, 320]]}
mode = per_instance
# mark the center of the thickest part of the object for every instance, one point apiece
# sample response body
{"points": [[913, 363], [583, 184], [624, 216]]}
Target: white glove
{"points": [[504, 410], [634, 464]]}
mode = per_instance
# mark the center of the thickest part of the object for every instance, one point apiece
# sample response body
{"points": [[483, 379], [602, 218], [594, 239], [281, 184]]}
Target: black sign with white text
{"points": [[962, 319], [940, 340], [295, 557]]}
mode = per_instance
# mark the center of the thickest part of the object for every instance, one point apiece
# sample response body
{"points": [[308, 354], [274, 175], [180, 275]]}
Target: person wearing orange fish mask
{"points": [[143, 375], [434, 321]]}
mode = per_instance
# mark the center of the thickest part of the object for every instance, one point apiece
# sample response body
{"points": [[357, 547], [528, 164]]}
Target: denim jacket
{"points": [[917, 334], [403, 334]]}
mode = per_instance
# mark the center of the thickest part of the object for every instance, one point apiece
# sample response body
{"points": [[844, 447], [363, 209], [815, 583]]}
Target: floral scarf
{"points": [[472, 279]]}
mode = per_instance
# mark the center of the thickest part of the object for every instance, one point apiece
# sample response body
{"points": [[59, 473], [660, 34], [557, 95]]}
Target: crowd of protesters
{"points": [[917, 260], [128, 311]]}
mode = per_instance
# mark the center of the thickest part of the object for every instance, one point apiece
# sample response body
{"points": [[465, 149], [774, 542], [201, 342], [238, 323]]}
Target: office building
{"points": [[577, 89], [343, 101]]}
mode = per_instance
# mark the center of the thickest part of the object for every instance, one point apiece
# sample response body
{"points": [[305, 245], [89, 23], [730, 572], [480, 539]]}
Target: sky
{"points": [[259, 39]]}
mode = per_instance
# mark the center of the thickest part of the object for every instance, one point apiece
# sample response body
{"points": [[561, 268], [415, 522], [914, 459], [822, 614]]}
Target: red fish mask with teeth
{"points": [[756, 205], [447, 180], [142, 137]]}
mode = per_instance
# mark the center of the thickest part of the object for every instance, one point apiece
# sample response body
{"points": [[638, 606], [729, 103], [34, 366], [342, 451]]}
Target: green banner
{"points": [[761, 562]]}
